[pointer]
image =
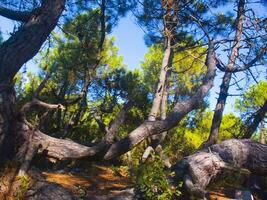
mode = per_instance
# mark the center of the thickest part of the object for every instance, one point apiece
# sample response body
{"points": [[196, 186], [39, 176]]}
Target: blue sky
{"points": [[130, 40]]}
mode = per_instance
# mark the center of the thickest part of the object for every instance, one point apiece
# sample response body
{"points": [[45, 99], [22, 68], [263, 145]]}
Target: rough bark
{"points": [[26, 42], [218, 113], [63, 149], [203, 167], [156, 140], [7, 101], [14, 52]]}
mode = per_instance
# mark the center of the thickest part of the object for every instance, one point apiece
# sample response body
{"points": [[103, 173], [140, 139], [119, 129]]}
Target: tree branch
{"points": [[180, 110], [253, 121], [250, 64], [42, 85], [35, 102], [22, 16], [26, 42]]}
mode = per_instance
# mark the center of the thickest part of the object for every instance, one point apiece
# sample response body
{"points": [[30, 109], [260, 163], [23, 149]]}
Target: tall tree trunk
{"points": [[218, 113], [14, 52], [166, 62], [156, 140]]}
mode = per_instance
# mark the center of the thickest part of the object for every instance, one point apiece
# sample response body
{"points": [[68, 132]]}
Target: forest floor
{"points": [[98, 182]]}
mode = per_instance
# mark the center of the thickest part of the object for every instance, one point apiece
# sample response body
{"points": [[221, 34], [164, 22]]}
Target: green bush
{"points": [[153, 181]]}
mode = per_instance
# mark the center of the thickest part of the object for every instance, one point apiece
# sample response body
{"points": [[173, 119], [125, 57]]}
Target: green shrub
{"points": [[153, 181]]}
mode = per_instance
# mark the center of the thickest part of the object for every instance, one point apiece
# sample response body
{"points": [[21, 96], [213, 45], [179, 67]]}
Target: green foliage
{"points": [[153, 181], [24, 182], [195, 129], [190, 61], [252, 99]]}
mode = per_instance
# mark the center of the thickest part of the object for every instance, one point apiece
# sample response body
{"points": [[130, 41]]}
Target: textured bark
{"points": [[157, 139], [263, 134], [26, 42], [14, 52], [203, 167], [63, 149], [218, 113], [7, 101]]}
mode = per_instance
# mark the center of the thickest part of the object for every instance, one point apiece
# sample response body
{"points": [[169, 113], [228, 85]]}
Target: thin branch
{"points": [[35, 102], [250, 64]]}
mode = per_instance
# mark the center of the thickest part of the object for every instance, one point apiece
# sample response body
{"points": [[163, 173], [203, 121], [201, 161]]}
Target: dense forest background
{"points": [[85, 108]]}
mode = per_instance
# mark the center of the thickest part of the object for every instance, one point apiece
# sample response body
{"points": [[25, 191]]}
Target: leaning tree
{"points": [[20, 140]]}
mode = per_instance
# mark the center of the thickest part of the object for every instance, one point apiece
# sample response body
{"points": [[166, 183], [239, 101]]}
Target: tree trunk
{"points": [[14, 52], [253, 122], [166, 62], [218, 113], [203, 167], [7, 114], [157, 139]]}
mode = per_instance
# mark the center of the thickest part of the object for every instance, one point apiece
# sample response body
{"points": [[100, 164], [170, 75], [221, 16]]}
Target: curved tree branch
{"points": [[22, 16], [26, 42]]}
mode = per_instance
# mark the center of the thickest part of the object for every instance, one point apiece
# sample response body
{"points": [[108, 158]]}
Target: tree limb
{"points": [[35, 102], [22, 16], [181, 109], [26, 42], [246, 66], [253, 121]]}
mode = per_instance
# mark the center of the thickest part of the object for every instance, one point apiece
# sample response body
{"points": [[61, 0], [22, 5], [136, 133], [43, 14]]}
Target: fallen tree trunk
{"points": [[202, 168]]}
